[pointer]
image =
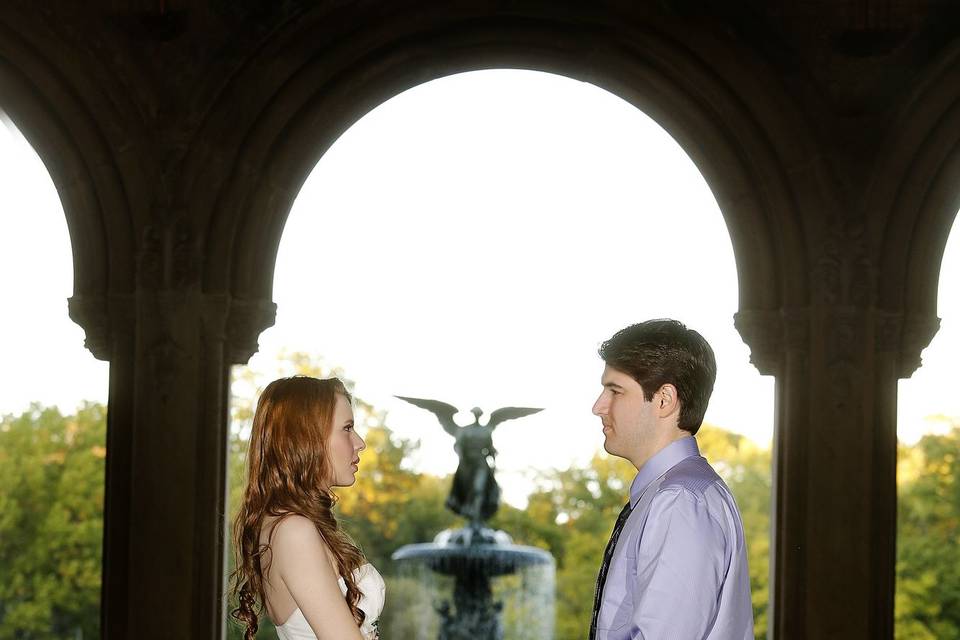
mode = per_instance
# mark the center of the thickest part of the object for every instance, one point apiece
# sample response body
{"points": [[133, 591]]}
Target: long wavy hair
{"points": [[288, 474]]}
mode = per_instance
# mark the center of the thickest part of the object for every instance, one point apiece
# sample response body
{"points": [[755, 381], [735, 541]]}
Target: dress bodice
{"points": [[373, 593]]}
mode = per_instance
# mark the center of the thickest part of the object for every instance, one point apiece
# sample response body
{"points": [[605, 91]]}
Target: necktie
{"points": [[605, 566]]}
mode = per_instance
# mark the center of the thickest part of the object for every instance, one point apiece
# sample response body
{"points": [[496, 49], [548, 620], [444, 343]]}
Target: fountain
{"points": [[473, 583]]}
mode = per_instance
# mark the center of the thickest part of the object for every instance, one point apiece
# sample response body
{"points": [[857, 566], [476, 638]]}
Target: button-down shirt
{"points": [[679, 570]]}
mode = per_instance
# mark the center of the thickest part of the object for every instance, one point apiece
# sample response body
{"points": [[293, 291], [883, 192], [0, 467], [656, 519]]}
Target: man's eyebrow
{"points": [[610, 385]]}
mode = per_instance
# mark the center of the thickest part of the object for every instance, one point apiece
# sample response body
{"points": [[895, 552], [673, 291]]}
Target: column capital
{"points": [[243, 320], [772, 332], [100, 316], [247, 319], [91, 314], [917, 330]]}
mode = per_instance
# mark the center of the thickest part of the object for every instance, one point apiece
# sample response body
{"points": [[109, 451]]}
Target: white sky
{"points": [[471, 240], [41, 350]]}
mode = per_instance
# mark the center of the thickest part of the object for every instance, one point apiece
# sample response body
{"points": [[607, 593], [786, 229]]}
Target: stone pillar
{"points": [[834, 506], [170, 347]]}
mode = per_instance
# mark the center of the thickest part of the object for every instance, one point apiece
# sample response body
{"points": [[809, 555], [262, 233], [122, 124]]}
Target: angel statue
{"points": [[475, 494]]}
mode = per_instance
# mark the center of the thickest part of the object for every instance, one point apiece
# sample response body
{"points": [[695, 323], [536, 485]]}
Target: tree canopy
{"points": [[51, 523], [51, 518]]}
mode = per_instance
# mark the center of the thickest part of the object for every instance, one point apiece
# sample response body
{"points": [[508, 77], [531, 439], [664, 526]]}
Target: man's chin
{"points": [[609, 448]]}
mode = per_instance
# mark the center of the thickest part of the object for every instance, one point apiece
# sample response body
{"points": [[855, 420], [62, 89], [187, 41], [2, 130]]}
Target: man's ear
{"points": [[666, 400]]}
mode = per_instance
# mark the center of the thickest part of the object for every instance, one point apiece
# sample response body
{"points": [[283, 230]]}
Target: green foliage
{"points": [[51, 510], [51, 523], [928, 557]]}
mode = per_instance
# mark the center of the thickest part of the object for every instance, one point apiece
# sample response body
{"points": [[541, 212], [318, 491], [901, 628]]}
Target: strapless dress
{"points": [[373, 592]]}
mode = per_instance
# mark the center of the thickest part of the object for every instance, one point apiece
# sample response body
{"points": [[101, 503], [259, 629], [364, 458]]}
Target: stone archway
{"points": [[917, 194], [295, 125], [177, 168], [746, 170], [79, 156], [42, 99]]}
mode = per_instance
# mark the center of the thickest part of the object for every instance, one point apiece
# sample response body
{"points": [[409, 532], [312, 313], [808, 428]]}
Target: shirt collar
{"points": [[661, 462]]}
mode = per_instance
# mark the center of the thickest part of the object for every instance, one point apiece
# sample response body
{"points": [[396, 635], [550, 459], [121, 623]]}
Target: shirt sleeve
{"points": [[681, 563]]}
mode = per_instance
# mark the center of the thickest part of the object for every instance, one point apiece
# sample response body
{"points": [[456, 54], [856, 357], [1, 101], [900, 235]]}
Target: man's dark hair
{"points": [[658, 352]]}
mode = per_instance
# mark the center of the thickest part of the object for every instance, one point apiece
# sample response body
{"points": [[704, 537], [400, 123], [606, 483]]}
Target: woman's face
{"points": [[345, 445]]}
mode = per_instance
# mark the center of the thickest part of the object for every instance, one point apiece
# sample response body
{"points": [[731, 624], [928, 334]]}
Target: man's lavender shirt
{"points": [[679, 570]]}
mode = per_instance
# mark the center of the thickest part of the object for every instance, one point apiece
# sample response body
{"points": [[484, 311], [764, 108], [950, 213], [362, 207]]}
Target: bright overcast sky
{"points": [[471, 240]]}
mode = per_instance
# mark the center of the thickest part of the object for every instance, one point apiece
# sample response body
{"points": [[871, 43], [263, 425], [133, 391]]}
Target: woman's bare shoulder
{"points": [[292, 529], [295, 535]]}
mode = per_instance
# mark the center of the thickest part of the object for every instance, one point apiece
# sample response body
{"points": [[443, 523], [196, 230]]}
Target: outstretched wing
{"points": [[442, 410], [509, 413]]}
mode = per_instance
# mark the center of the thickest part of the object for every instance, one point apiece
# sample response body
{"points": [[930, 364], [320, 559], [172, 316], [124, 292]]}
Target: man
{"points": [[676, 564]]}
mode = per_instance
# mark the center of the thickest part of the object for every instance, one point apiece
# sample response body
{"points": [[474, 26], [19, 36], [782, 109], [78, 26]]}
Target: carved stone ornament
{"points": [[844, 335], [184, 255], [90, 312], [843, 338], [168, 256], [247, 320], [166, 358], [844, 273], [918, 331], [771, 333], [845, 389], [762, 331], [150, 258], [888, 328]]}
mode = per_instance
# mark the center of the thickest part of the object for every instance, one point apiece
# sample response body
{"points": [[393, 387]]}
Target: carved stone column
{"points": [[170, 346], [836, 364]]}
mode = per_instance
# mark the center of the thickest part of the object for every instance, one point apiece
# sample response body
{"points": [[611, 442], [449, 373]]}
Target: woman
{"points": [[292, 556]]}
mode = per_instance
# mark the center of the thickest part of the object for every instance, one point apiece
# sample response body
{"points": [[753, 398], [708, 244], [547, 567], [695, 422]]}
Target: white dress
{"points": [[373, 593]]}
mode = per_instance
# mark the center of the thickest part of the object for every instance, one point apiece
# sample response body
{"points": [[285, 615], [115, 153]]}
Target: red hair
{"points": [[288, 474]]}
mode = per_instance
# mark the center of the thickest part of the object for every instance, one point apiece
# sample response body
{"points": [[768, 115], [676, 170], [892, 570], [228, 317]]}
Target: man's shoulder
{"points": [[693, 475], [693, 486], [694, 483]]}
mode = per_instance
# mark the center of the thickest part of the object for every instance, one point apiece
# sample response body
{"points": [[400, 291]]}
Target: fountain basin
{"points": [[475, 584], [486, 559]]}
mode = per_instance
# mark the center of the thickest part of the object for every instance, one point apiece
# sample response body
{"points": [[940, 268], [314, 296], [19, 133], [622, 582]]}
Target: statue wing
{"points": [[442, 410], [509, 413]]}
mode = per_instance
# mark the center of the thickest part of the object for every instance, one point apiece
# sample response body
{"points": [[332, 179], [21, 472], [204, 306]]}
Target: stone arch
{"points": [[754, 157], [925, 172], [184, 144], [79, 156]]}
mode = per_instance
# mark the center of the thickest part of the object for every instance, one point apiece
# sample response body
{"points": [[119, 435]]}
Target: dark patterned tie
{"points": [[605, 566]]}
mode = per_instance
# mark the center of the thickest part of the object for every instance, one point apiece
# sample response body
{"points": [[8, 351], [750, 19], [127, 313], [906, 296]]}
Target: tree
{"points": [[51, 523], [928, 558], [51, 518]]}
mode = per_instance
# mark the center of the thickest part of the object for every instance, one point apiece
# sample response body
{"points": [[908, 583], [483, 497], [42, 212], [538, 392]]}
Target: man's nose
{"points": [[599, 407]]}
